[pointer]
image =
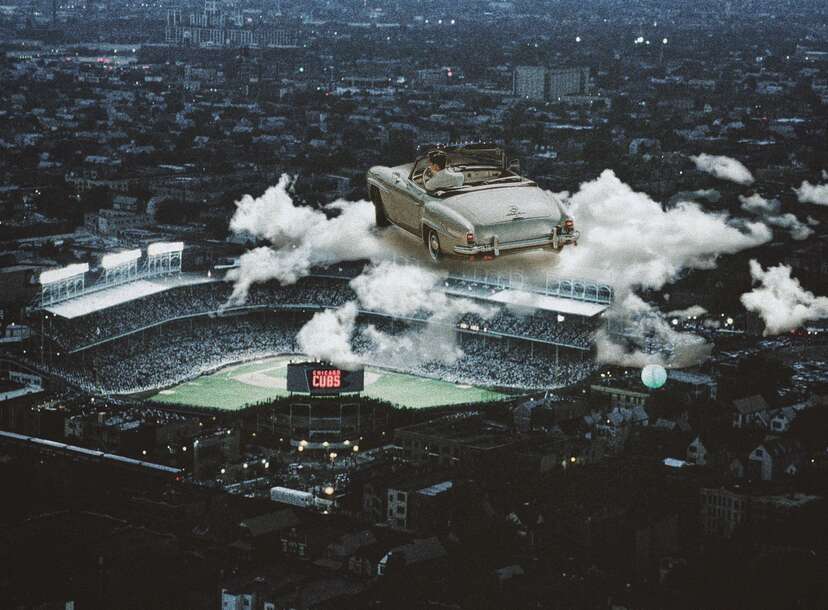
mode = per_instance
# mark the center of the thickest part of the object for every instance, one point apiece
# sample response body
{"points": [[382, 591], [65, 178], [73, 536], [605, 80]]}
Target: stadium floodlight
{"points": [[58, 275], [164, 247], [110, 261]]}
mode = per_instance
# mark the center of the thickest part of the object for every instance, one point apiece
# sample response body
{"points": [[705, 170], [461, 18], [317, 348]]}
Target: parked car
{"points": [[496, 211]]}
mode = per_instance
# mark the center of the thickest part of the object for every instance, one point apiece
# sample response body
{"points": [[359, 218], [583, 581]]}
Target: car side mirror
{"points": [[514, 166]]}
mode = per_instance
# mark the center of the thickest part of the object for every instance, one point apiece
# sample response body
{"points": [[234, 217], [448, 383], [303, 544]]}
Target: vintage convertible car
{"points": [[496, 211]]}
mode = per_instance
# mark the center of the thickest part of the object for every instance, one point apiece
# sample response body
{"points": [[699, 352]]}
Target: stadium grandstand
{"points": [[143, 325]]}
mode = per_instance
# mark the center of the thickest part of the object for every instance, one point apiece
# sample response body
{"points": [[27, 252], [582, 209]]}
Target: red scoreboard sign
{"points": [[326, 379], [319, 378]]}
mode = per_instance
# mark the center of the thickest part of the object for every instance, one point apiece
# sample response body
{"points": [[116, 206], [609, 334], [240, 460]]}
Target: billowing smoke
{"points": [[780, 299], [723, 167], [628, 240], [756, 204], [673, 348], [327, 336], [694, 311], [631, 241], [813, 193], [768, 211], [711, 195], [797, 229], [300, 236], [404, 289], [397, 290]]}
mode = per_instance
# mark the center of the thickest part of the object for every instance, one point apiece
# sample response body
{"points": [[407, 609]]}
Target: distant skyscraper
{"points": [[221, 25], [530, 82], [541, 83], [567, 81]]}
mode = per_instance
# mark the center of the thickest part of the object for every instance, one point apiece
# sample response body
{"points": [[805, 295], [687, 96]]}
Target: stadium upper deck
{"points": [[562, 313], [93, 301]]}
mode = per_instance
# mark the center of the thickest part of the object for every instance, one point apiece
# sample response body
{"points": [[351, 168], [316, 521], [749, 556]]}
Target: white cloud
{"points": [[397, 290], [300, 236], [327, 336], [781, 300], [694, 311], [756, 204], [403, 290], [609, 350], [426, 343], [711, 195], [799, 230], [656, 342], [723, 167], [768, 210], [629, 240], [812, 193]]}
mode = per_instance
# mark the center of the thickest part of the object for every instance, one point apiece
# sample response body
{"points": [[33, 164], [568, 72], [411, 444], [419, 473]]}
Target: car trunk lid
{"points": [[512, 213]]}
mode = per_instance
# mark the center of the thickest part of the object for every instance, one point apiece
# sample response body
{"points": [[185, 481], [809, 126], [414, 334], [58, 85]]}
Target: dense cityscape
{"points": [[226, 381]]}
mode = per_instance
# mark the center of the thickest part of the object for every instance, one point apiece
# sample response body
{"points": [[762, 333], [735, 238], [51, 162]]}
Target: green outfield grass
{"points": [[233, 387]]}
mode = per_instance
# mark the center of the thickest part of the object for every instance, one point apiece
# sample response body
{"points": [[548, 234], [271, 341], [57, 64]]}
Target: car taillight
{"points": [[469, 238]]}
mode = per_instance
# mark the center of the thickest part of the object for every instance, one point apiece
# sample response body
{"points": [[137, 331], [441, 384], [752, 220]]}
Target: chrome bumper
{"points": [[496, 247]]}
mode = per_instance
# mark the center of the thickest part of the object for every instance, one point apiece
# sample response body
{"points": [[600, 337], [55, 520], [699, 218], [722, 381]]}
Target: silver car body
{"points": [[496, 212]]}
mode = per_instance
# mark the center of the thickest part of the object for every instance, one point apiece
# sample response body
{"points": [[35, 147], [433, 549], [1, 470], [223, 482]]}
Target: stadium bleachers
{"points": [[166, 337], [78, 333], [188, 348]]}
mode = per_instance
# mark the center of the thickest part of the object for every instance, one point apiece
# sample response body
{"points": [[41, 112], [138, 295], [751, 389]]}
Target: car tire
{"points": [[379, 208], [432, 244]]}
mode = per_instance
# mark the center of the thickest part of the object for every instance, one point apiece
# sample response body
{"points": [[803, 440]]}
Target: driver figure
{"points": [[437, 176]]}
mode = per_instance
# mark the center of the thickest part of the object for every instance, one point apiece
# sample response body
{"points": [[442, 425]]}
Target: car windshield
{"points": [[492, 157]]}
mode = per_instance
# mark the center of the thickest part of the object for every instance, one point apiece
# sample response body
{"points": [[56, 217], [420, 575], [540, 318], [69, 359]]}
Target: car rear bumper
{"points": [[497, 248]]}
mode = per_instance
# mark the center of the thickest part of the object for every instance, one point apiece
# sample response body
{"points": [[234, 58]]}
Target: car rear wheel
{"points": [[379, 208], [433, 245]]}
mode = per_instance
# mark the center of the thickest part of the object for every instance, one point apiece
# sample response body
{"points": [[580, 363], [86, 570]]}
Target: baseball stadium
{"points": [[140, 326]]}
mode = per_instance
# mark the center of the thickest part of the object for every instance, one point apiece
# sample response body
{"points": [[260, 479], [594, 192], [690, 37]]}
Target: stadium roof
{"points": [[546, 302], [110, 297]]}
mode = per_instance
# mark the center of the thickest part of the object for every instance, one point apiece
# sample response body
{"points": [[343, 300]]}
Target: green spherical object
{"points": [[654, 376]]}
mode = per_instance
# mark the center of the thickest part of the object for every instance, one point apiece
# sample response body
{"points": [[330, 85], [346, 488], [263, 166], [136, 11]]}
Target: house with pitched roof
{"points": [[749, 411], [776, 458]]}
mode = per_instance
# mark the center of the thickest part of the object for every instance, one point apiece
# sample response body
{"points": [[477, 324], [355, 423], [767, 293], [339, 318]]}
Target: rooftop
{"points": [[110, 297], [472, 431]]}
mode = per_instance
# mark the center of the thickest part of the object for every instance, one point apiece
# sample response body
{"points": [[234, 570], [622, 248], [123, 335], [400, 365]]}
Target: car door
{"points": [[407, 203]]}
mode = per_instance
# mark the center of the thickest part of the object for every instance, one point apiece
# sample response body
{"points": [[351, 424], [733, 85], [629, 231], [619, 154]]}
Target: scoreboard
{"points": [[323, 379]]}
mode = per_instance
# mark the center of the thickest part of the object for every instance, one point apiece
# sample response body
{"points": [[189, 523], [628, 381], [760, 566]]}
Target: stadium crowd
{"points": [[312, 293], [185, 301], [541, 325], [182, 350], [186, 348], [490, 361]]}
